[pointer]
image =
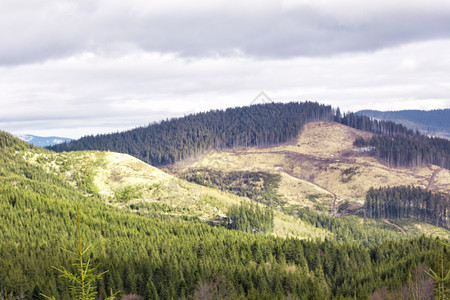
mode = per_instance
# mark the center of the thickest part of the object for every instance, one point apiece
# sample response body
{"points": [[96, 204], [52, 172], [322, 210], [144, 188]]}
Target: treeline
{"points": [[408, 202], [250, 218], [433, 121], [398, 146], [172, 140], [259, 186], [368, 124], [409, 151]]}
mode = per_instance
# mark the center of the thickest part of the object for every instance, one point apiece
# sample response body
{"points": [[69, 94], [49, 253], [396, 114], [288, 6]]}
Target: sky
{"points": [[77, 67]]}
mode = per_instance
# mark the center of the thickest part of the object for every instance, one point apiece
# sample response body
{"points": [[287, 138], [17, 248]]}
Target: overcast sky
{"points": [[77, 67]]}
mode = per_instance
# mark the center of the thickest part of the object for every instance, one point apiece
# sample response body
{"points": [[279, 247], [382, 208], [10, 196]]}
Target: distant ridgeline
{"points": [[435, 122], [261, 125]]}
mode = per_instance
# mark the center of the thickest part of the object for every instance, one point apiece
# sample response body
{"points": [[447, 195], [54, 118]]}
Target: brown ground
{"points": [[323, 156]]}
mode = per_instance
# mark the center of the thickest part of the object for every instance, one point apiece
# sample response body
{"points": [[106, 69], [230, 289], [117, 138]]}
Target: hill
{"points": [[273, 125], [433, 122], [323, 155], [262, 125], [325, 159], [180, 138], [160, 254], [128, 183]]}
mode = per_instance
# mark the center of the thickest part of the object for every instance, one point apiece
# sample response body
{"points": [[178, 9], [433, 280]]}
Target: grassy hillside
{"points": [[128, 183]]}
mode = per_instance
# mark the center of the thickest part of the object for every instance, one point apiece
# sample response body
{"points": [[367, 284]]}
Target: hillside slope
{"points": [[325, 157], [157, 257], [126, 182]]}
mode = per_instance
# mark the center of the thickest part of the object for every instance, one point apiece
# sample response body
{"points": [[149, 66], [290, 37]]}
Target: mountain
{"points": [[42, 141], [321, 169], [157, 237], [433, 122], [262, 125], [326, 184], [173, 140]]}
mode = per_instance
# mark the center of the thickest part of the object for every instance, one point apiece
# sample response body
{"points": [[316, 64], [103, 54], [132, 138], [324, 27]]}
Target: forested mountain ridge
{"points": [[261, 125], [126, 182], [160, 256], [176, 139], [433, 122]]}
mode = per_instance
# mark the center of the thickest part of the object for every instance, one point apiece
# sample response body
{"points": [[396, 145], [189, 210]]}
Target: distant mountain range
{"points": [[42, 141], [433, 122]]}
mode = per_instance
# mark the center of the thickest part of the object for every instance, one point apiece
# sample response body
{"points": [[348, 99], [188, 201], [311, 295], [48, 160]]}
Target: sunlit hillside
{"points": [[324, 157]]}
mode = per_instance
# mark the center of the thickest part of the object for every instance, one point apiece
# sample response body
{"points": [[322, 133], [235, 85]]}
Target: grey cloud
{"points": [[50, 32], [298, 32]]}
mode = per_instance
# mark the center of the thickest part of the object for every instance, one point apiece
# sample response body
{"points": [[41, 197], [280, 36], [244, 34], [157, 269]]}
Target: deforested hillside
{"points": [[324, 156]]}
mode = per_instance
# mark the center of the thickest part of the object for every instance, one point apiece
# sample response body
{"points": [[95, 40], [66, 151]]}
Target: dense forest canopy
{"points": [[408, 202], [172, 140], [250, 218]]}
